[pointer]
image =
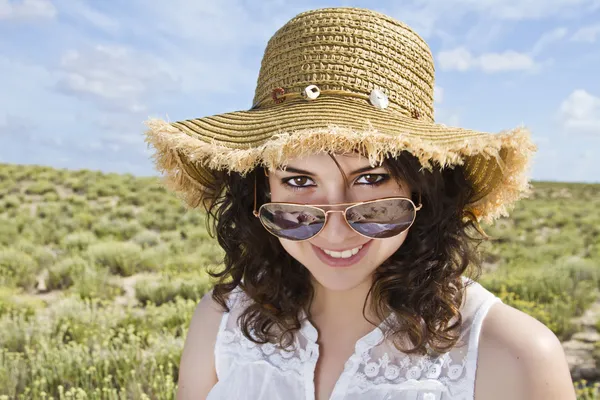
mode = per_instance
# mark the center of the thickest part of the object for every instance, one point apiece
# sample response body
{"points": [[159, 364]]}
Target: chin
{"points": [[340, 282]]}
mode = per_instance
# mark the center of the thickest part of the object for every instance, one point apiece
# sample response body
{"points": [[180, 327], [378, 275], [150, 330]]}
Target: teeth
{"points": [[343, 254]]}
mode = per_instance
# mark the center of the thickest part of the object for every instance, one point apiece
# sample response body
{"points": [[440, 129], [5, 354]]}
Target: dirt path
{"points": [[128, 284]]}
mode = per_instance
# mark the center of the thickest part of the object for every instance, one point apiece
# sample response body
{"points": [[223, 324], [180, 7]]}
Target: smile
{"points": [[342, 254], [344, 258]]}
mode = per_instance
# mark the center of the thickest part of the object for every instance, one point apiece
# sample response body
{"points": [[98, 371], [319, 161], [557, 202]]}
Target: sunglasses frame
{"points": [[318, 207]]}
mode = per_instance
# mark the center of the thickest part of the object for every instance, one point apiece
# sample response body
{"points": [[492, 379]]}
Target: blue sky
{"points": [[78, 78]]}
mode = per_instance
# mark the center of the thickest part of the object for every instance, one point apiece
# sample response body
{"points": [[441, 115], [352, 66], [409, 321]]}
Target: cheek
{"points": [[295, 249], [388, 247]]}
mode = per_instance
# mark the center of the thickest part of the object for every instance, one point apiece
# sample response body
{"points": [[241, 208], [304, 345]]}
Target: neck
{"points": [[342, 308]]}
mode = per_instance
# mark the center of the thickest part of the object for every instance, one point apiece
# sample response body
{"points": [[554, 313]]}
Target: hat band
{"points": [[279, 95]]}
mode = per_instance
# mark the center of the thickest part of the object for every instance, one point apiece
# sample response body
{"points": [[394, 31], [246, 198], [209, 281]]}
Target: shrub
{"points": [[116, 229], [51, 196], [120, 258], [96, 283], [146, 238], [8, 232], [78, 241], [43, 256], [125, 212], [12, 301], [17, 267], [84, 220], [40, 188], [10, 201], [165, 290], [133, 199], [66, 272]]}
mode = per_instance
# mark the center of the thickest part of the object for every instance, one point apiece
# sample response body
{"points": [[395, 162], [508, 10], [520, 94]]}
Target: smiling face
{"points": [[316, 179]]}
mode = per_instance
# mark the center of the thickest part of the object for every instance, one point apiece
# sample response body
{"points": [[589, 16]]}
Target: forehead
{"points": [[322, 163]]}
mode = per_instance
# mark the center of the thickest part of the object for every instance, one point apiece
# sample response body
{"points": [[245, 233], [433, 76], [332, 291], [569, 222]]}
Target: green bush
{"points": [[17, 268], [96, 283], [118, 229], [13, 301], [10, 201], [126, 212], [40, 188], [168, 289], [8, 232], [66, 272], [78, 241], [121, 258], [146, 238]]}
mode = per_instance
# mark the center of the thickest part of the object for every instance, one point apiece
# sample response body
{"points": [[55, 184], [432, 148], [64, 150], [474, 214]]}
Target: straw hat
{"points": [[342, 80]]}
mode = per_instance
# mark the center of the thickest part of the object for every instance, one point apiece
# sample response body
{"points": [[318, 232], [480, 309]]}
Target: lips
{"points": [[341, 262]]}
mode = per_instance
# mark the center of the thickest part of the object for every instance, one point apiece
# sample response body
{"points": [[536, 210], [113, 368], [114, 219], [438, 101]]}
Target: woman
{"points": [[349, 221]]}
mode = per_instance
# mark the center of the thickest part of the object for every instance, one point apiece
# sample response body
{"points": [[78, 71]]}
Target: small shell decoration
{"points": [[379, 99], [311, 92], [278, 95]]}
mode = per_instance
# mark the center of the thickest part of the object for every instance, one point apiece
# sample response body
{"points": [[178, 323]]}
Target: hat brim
{"points": [[496, 164]]}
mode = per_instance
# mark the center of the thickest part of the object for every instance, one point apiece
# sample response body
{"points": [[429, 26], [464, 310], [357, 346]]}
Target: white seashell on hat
{"points": [[379, 99]]}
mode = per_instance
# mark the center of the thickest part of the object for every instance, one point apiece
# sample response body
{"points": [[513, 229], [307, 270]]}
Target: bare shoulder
{"points": [[197, 374], [520, 358]]}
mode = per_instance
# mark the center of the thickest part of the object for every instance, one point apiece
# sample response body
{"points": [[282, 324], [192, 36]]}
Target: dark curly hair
{"points": [[420, 283]]}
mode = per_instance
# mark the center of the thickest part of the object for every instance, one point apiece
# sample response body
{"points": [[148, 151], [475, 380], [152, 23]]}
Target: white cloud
{"points": [[587, 34], [26, 9], [461, 59], [580, 113], [440, 16], [548, 39], [531, 9], [117, 77], [508, 61], [216, 24], [89, 16]]}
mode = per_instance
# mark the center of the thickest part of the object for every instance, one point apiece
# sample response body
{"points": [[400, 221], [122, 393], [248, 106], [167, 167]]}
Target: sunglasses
{"points": [[376, 219]]}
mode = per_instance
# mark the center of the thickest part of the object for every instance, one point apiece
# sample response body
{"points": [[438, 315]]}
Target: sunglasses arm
{"points": [[256, 212]]}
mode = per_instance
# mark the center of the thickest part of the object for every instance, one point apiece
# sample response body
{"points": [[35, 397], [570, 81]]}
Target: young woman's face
{"points": [[323, 183]]}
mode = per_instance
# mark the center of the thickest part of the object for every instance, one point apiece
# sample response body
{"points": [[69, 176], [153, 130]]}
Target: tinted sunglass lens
{"points": [[382, 219], [293, 222]]}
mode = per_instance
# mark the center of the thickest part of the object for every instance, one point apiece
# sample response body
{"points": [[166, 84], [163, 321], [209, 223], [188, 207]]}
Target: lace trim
{"points": [[242, 349], [406, 371]]}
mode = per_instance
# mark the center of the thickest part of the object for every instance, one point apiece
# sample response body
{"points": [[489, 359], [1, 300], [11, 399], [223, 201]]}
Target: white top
{"points": [[376, 370]]}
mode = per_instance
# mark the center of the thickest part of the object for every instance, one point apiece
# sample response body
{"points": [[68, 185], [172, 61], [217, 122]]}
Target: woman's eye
{"points": [[297, 181], [372, 179]]}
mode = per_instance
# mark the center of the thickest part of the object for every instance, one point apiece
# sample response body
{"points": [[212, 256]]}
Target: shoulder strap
{"points": [[232, 302]]}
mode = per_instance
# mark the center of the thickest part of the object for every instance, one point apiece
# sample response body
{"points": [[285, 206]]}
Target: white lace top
{"points": [[376, 370]]}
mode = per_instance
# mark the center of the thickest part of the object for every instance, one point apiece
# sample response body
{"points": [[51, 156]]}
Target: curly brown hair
{"points": [[420, 283]]}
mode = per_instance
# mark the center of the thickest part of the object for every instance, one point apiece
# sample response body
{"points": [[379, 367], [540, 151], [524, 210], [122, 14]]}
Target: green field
{"points": [[100, 274]]}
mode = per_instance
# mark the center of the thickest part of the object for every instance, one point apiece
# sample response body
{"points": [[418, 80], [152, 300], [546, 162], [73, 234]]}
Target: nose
{"points": [[336, 229]]}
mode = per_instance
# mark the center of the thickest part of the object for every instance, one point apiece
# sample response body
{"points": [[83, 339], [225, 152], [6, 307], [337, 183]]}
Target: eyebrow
{"points": [[301, 171]]}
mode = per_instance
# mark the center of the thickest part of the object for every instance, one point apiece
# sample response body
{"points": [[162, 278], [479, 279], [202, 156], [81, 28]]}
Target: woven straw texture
{"points": [[346, 52]]}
